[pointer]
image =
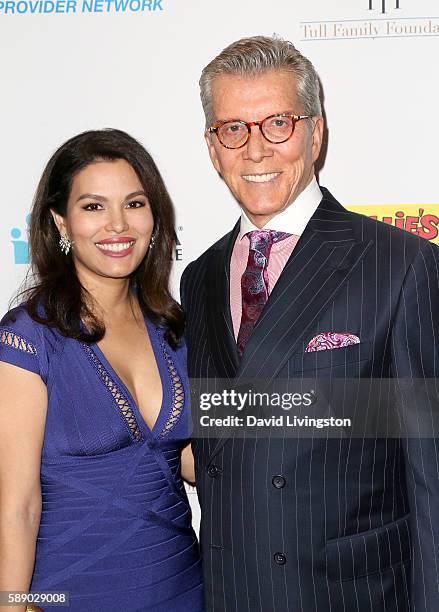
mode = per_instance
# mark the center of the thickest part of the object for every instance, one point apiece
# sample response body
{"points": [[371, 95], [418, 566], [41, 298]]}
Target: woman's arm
{"points": [[187, 464], [23, 407]]}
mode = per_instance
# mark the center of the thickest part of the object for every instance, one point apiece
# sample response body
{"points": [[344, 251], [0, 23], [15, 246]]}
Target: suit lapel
{"points": [[219, 320], [324, 257]]}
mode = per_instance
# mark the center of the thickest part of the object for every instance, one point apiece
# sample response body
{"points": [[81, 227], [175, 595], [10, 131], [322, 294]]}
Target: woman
{"points": [[94, 418]]}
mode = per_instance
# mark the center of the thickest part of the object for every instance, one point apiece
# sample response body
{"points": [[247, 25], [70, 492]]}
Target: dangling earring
{"points": [[64, 244], [152, 241]]}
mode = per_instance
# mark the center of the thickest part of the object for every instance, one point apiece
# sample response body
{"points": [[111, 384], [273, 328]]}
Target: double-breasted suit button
{"points": [[213, 471], [280, 558], [278, 482]]}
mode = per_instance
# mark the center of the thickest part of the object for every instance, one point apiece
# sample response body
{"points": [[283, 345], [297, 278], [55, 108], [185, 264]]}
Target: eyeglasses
{"points": [[234, 134]]}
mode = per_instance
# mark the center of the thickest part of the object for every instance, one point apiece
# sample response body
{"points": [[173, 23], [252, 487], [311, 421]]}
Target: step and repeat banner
{"points": [[72, 65]]}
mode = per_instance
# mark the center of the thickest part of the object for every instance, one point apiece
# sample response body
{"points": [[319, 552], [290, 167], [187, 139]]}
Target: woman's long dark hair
{"points": [[56, 286]]}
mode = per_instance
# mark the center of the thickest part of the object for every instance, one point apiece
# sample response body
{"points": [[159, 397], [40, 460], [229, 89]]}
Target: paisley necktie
{"points": [[254, 281]]}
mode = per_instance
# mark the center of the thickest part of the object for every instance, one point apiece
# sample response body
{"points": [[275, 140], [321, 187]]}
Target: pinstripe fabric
{"points": [[357, 519]]}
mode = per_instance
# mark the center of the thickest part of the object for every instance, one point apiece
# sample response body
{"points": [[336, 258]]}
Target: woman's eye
{"points": [[92, 206], [136, 204]]}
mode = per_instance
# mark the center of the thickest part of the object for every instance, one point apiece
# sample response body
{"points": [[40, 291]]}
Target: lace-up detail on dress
{"points": [[8, 338], [178, 398], [120, 399]]}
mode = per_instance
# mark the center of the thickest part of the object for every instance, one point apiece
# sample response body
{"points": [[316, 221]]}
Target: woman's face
{"points": [[108, 220]]}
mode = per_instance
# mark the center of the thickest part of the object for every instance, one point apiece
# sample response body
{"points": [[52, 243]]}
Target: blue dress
{"points": [[115, 527]]}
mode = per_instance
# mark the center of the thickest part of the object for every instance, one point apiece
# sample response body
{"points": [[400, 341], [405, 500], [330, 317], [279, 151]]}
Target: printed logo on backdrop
{"points": [[40, 7], [421, 220], [178, 251], [372, 19], [20, 245], [384, 4]]}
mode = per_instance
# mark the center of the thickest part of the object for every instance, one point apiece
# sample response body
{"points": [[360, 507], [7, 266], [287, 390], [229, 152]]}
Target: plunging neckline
{"points": [[166, 385]]}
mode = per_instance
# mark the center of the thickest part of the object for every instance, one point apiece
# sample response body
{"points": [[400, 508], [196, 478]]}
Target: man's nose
{"points": [[257, 147], [117, 221]]}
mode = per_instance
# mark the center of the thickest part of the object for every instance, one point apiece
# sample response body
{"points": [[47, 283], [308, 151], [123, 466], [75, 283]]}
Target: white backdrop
{"points": [[72, 65]]}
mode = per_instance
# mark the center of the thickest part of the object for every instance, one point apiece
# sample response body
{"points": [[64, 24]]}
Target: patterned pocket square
{"points": [[331, 340]]}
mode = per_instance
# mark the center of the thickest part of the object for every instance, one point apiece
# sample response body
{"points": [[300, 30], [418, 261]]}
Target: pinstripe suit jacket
{"points": [[356, 521]]}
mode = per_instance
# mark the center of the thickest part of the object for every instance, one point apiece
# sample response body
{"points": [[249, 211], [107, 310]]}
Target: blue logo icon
{"points": [[20, 246]]}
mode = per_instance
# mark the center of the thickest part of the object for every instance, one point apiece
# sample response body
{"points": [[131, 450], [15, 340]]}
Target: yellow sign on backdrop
{"points": [[419, 219]]}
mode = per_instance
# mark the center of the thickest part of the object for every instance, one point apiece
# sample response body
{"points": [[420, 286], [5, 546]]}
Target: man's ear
{"points": [[208, 136], [317, 136], [60, 223]]}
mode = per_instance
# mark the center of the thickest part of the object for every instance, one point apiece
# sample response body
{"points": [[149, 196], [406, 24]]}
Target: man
{"points": [[302, 288]]}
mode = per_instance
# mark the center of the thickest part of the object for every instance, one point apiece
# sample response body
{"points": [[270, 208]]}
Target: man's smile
{"points": [[261, 178]]}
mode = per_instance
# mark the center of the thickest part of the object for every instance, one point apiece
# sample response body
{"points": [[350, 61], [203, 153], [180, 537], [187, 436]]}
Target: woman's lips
{"points": [[116, 247]]}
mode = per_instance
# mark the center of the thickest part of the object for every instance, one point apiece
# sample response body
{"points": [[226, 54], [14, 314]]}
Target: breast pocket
{"points": [[369, 552], [332, 358]]}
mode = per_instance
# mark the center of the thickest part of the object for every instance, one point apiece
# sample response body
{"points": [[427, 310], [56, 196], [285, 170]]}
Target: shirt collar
{"points": [[294, 218]]}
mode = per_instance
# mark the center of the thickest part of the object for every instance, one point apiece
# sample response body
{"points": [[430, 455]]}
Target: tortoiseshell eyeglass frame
{"points": [[216, 126]]}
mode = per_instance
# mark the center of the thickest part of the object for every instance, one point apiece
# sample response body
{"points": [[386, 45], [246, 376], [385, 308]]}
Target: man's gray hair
{"points": [[256, 55]]}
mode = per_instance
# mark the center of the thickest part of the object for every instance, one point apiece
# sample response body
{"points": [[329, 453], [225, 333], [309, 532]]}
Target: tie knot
{"points": [[261, 240]]}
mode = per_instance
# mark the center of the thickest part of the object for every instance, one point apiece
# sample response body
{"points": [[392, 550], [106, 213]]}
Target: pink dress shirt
{"points": [[293, 221]]}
